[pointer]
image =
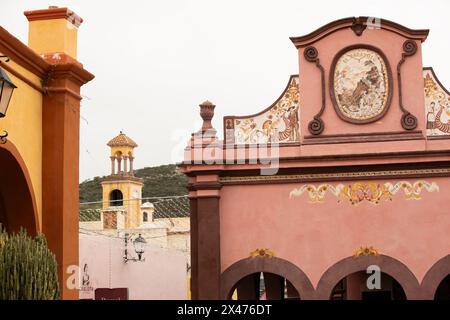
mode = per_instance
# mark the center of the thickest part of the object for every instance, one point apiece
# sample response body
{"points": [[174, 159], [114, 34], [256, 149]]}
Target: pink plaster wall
{"points": [[161, 277], [314, 236]]}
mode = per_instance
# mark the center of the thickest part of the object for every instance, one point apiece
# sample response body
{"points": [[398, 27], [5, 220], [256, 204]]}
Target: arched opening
{"points": [[443, 290], [17, 202], [347, 279], [436, 283], [116, 163], [264, 286], [145, 217], [363, 286], [269, 278], [116, 198]]}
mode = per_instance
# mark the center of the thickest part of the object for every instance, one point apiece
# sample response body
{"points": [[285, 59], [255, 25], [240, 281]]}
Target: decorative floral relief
{"points": [[361, 84], [365, 191], [366, 251], [437, 106], [280, 123], [262, 253]]}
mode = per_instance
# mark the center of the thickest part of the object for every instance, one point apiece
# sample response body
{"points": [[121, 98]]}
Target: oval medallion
{"points": [[360, 84]]}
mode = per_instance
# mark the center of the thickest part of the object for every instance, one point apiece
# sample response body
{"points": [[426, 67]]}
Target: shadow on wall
{"points": [[17, 200]]}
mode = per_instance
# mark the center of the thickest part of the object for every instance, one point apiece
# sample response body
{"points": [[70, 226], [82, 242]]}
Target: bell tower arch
{"points": [[122, 191]]}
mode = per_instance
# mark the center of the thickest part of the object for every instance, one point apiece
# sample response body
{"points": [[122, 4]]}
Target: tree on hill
{"points": [[160, 181]]}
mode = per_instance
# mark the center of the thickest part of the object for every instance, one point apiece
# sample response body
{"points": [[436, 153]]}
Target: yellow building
{"points": [[122, 191], [39, 157]]}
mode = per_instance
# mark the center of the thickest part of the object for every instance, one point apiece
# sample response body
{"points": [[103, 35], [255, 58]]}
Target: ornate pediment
{"points": [[359, 80]]}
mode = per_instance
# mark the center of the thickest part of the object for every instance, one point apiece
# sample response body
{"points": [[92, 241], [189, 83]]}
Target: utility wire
{"points": [[160, 240]]}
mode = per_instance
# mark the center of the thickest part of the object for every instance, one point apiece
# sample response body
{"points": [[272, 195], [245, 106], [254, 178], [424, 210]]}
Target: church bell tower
{"points": [[122, 191]]}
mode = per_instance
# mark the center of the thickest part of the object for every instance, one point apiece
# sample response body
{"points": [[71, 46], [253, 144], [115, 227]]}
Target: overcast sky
{"points": [[155, 61]]}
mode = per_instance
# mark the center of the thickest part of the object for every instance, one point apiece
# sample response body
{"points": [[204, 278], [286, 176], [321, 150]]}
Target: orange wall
{"points": [[23, 122]]}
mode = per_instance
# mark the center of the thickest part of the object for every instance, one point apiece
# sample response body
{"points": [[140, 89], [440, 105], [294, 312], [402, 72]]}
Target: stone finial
{"points": [[207, 113]]}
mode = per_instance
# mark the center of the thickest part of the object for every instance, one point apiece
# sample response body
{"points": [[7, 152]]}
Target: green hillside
{"points": [[159, 181]]}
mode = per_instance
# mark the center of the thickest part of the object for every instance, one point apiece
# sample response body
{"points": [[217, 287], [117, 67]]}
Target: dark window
{"points": [[443, 291], [376, 295], [145, 217], [116, 198]]}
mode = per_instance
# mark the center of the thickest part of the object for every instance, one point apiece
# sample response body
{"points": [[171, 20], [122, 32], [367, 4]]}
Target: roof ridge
{"points": [[122, 140]]}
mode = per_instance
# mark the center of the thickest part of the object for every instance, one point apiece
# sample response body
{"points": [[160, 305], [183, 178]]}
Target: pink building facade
{"points": [[349, 168]]}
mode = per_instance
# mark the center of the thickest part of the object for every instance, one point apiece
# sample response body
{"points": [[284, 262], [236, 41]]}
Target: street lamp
{"points": [[139, 247], [6, 91]]}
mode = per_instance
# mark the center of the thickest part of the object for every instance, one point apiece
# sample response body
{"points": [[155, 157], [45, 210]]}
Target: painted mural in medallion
{"points": [[437, 105], [361, 85], [277, 124]]}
